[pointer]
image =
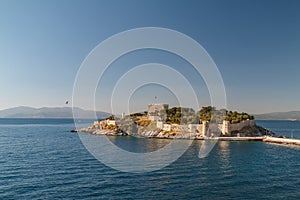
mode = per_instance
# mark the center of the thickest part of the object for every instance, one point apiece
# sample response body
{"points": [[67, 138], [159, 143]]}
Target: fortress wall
{"points": [[177, 127], [194, 128], [203, 129], [154, 111], [239, 126]]}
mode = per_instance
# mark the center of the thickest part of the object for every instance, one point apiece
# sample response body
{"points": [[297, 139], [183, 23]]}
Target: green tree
{"points": [[112, 117]]}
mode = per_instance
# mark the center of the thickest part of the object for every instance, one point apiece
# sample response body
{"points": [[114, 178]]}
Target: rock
{"points": [[152, 133], [252, 131]]}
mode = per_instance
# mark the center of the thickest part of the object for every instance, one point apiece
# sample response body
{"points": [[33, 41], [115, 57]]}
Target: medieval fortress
{"points": [[204, 129]]}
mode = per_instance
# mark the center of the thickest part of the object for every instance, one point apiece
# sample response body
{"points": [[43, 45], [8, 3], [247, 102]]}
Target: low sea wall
{"points": [[239, 138], [288, 141]]}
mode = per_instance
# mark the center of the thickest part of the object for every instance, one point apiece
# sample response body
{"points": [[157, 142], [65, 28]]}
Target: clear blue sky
{"points": [[255, 44]]}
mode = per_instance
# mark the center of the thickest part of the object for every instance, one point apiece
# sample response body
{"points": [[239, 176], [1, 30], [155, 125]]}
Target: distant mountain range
{"points": [[292, 115], [48, 112], [66, 112]]}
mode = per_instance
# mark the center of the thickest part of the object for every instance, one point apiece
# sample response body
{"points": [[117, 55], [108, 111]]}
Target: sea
{"points": [[42, 159]]}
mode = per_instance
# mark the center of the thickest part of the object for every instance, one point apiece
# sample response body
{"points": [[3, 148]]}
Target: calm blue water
{"points": [[287, 128], [40, 159]]}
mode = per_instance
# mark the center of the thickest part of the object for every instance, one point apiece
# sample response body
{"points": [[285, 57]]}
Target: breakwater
{"points": [[284, 141], [267, 139]]}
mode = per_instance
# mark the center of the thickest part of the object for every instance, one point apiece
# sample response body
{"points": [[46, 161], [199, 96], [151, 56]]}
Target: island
{"points": [[160, 121]]}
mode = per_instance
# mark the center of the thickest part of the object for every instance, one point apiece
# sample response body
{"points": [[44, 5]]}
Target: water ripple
{"points": [[47, 162]]}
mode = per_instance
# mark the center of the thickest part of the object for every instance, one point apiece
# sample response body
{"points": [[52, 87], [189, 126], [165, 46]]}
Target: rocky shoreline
{"points": [[249, 131]]}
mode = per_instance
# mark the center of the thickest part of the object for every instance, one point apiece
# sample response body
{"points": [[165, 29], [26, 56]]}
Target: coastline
{"points": [[192, 136], [208, 124]]}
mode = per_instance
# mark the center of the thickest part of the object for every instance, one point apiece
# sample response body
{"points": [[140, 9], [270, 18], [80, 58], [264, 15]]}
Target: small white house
{"points": [[111, 122]]}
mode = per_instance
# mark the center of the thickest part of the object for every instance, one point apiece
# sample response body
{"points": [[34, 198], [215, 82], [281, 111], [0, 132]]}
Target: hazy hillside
{"points": [[47, 112], [292, 115], [66, 112]]}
